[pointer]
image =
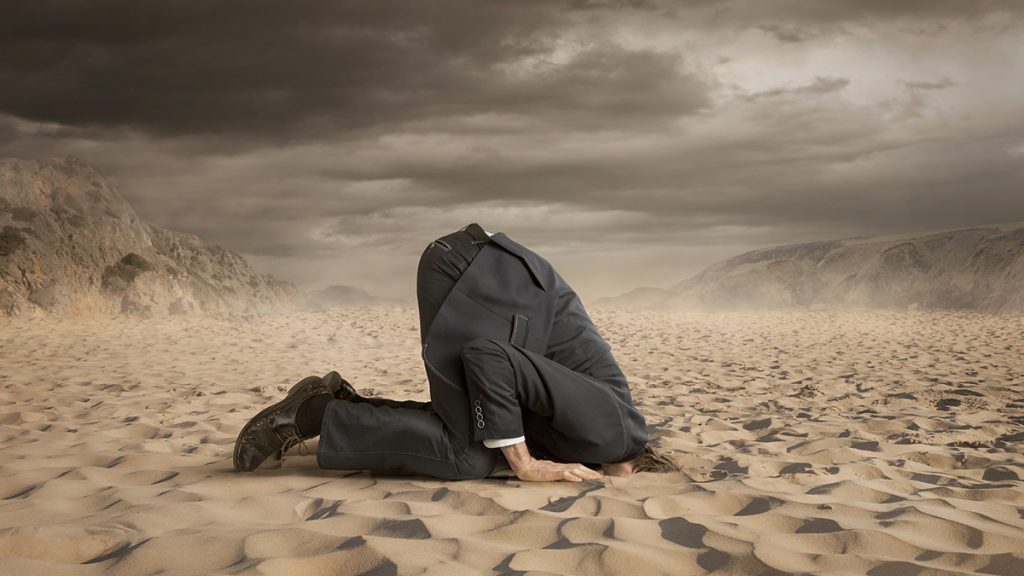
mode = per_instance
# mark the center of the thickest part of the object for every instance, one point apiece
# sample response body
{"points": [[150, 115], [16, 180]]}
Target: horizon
{"points": [[910, 234]]}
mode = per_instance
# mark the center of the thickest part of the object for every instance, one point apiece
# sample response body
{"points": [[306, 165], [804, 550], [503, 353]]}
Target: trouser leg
{"points": [[397, 440], [570, 416], [390, 436]]}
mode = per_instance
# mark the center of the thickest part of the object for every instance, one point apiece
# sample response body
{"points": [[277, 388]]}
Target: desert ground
{"points": [[816, 442]]}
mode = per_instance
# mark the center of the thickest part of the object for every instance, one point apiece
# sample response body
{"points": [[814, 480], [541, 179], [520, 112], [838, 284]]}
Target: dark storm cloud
{"points": [[259, 70]]}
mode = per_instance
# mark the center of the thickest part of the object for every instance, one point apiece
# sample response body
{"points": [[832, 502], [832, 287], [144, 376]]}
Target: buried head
{"points": [[650, 460]]}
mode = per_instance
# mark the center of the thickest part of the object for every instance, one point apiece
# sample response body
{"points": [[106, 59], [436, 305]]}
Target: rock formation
{"points": [[976, 268], [69, 242]]}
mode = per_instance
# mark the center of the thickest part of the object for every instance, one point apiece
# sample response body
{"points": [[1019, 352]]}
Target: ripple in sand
{"points": [[819, 526], [759, 505], [66, 544]]}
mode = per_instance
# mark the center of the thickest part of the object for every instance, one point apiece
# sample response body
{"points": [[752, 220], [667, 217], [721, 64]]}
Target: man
{"points": [[514, 364]]}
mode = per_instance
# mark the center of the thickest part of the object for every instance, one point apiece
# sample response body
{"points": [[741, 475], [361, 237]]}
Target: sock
{"points": [[310, 415]]}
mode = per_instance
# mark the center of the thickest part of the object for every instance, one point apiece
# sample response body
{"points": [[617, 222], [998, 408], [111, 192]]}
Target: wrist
{"points": [[517, 455]]}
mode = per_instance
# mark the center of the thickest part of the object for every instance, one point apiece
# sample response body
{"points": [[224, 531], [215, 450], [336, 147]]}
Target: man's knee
{"points": [[478, 462]]}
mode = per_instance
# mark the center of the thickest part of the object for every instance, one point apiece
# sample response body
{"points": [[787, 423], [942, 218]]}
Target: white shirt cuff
{"points": [[502, 442]]}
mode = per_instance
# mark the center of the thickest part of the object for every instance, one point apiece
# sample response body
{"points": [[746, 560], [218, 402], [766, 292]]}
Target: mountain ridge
{"points": [[977, 268], [71, 243]]}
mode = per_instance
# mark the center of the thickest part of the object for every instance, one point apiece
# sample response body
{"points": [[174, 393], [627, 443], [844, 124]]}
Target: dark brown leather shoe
{"points": [[340, 387], [273, 431]]}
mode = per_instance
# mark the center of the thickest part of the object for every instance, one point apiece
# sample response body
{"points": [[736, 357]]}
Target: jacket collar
{"points": [[539, 269]]}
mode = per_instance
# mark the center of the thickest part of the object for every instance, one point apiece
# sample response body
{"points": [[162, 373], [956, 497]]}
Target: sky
{"points": [[630, 143]]}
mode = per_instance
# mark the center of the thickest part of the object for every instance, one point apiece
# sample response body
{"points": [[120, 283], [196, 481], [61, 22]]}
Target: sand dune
{"points": [[810, 442]]}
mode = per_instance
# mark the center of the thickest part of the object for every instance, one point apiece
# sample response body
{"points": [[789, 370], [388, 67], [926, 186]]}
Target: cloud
{"points": [[936, 85], [329, 141], [788, 33], [332, 68], [820, 85], [813, 12]]}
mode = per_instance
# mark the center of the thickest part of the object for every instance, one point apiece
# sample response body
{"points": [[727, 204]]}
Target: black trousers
{"points": [[524, 392]]}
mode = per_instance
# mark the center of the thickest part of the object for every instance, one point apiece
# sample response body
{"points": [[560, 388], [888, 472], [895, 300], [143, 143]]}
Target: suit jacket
{"points": [[510, 293], [504, 294]]}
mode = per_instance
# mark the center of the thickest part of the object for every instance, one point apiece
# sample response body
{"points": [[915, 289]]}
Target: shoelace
{"points": [[292, 440]]}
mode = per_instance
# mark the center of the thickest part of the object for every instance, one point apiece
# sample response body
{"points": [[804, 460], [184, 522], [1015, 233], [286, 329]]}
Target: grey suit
{"points": [[509, 351]]}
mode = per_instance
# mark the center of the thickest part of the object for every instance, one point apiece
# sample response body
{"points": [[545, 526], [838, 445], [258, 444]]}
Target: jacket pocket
{"points": [[520, 330]]}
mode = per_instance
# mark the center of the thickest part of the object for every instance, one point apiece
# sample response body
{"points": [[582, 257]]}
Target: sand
{"points": [[877, 443]]}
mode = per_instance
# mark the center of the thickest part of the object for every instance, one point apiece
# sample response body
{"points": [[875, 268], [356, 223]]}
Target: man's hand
{"points": [[529, 468], [547, 471]]}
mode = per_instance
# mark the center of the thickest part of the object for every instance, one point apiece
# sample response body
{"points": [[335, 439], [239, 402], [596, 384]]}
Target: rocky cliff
{"points": [[977, 268], [69, 242]]}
